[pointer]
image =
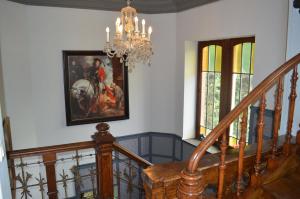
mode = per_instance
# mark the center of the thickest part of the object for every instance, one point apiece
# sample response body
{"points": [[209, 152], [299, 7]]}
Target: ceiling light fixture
{"points": [[129, 44]]}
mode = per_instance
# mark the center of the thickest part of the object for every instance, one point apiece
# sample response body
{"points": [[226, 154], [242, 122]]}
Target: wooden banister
{"points": [[191, 185], [50, 149], [141, 161], [253, 96], [103, 144]]}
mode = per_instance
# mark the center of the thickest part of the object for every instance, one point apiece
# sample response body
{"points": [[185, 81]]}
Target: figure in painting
{"points": [[95, 92]]}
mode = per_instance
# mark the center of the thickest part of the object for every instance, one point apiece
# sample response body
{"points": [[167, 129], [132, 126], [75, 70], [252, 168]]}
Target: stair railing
{"points": [[192, 184], [56, 171]]}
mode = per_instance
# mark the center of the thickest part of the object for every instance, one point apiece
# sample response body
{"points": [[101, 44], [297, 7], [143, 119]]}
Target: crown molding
{"points": [[142, 6]]}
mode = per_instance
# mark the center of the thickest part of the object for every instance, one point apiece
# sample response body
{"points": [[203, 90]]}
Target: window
{"points": [[224, 78]]}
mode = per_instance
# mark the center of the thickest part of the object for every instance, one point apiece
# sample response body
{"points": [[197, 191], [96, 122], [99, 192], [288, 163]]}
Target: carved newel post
{"points": [[191, 185], [104, 147]]}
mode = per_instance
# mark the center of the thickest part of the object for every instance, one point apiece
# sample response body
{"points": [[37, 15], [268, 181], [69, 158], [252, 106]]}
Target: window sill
{"points": [[196, 142]]}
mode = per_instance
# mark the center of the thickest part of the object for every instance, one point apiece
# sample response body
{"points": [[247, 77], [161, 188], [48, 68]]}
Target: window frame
{"points": [[226, 76]]}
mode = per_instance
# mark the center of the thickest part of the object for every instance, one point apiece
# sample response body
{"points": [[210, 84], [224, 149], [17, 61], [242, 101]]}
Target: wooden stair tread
{"points": [[285, 188]]}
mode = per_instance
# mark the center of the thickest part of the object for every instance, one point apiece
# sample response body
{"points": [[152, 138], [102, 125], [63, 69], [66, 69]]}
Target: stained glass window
{"points": [[231, 62], [243, 58], [210, 88]]}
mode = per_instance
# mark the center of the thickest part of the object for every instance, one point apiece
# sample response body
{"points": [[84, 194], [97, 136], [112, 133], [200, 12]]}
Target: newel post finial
{"points": [[191, 185], [103, 135], [104, 164]]}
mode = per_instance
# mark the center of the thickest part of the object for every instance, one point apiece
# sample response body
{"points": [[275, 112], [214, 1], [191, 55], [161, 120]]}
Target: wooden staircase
{"points": [[268, 169], [283, 182]]}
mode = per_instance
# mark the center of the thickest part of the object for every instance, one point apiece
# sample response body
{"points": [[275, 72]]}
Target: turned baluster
{"points": [[292, 98], [272, 162], [222, 165], [255, 178], [277, 117], [242, 144]]}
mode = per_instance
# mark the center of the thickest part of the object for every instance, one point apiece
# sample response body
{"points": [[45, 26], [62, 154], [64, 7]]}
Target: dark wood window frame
{"points": [[226, 76]]}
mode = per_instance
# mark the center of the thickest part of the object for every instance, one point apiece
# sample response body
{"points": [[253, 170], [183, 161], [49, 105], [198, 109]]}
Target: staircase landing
{"points": [[287, 187]]}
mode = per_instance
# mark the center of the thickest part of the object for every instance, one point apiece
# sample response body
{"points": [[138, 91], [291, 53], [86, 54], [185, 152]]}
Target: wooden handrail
{"points": [[50, 149], [253, 96], [102, 142], [141, 161]]}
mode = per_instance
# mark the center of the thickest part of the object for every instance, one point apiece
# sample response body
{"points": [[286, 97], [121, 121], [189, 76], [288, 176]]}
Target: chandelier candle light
{"points": [[129, 44]]}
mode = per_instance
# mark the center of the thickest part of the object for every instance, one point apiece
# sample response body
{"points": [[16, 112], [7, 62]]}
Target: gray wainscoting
{"points": [[157, 147], [268, 129]]}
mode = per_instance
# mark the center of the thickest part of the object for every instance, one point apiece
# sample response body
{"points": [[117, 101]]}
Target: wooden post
{"points": [[222, 165], [104, 147], [191, 185], [49, 162], [242, 145], [273, 162], [256, 177], [292, 98]]}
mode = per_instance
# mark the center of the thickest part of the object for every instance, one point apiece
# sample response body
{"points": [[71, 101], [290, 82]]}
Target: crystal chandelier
{"points": [[129, 44]]}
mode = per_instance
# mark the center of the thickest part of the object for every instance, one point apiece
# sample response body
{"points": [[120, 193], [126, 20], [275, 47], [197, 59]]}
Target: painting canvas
{"points": [[96, 87]]}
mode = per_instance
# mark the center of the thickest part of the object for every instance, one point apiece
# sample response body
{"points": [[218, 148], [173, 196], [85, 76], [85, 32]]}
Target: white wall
{"points": [[2, 99], [4, 179], [32, 39], [17, 72], [32, 42], [164, 114], [293, 48], [190, 88], [266, 20]]}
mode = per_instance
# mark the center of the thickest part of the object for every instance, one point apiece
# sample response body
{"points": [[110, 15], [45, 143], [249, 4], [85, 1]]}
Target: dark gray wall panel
{"points": [[178, 149], [187, 150], [144, 145], [162, 145], [131, 144], [156, 146], [142, 6], [157, 160], [268, 129]]}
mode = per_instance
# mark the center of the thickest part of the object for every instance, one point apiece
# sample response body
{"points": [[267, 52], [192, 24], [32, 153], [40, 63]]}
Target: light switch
{"points": [[1, 153]]}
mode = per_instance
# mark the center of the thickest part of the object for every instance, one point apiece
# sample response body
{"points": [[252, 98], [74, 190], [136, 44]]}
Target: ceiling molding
{"points": [[142, 6], [297, 4]]}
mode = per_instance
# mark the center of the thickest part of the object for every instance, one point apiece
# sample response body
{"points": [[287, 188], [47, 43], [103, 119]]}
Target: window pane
{"points": [[236, 88], [237, 56], [245, 85], [252, 58], [235, 99], [212, 57], [246, 57], [218, 59], [202, 130], [233, 142], [203, 99], [210, 88], [205, 59], [217, 92], [210, 100]]}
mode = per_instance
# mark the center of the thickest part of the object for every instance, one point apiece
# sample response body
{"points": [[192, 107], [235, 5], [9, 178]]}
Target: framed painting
{"points": [[96, 87]]}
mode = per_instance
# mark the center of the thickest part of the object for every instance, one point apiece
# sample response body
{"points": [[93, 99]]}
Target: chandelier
{"points": [[129, 43]]}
